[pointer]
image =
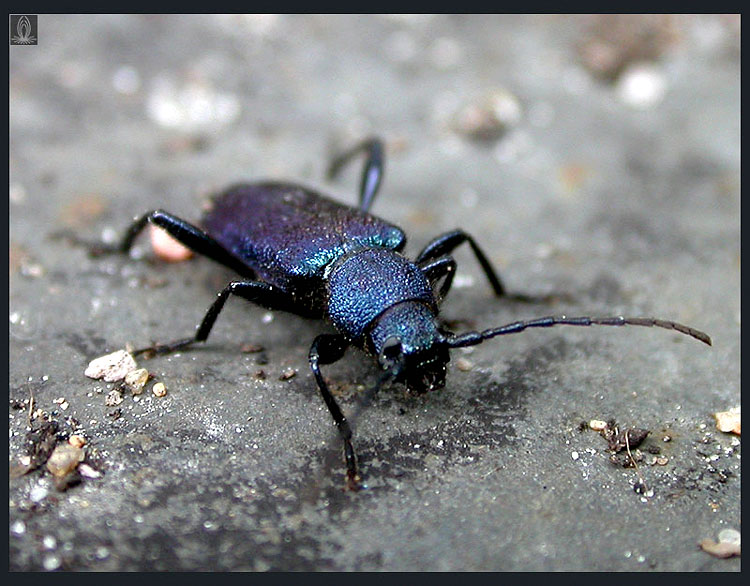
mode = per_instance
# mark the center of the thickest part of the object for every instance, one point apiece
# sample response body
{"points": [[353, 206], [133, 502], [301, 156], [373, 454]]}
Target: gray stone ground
{"points": [[618, 193]]}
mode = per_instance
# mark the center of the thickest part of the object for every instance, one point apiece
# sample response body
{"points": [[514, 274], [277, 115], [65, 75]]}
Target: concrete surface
{"points": [[617, 193]]}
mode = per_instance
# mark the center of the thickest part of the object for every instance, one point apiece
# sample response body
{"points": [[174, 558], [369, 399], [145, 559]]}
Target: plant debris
{"points": [[40, 442], [57, 445], [620, 439], [625, 439], [251, 348]]}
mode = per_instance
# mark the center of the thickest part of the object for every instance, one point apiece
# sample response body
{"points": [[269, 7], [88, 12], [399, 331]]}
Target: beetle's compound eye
{"points": [[391, 356]]}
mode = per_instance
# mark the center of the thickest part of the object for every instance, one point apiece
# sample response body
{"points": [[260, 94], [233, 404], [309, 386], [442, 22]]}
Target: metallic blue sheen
{"points": [[363, 285], [413, 323]]}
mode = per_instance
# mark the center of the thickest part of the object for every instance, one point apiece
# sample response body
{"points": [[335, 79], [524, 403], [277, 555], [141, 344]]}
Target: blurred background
{"points": [[591, 155]]}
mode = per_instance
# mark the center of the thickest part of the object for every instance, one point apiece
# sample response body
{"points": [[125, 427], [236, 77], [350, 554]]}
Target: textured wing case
{"points": [[288, 234]]}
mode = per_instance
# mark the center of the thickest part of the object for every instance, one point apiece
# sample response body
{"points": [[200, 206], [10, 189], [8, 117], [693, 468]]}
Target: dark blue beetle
{"points": [[304, 253]]}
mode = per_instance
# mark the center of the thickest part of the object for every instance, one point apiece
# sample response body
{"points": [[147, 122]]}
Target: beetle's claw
{"points": [[353, 481]]}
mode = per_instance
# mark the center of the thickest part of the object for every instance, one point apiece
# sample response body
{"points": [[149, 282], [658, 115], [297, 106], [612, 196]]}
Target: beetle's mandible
{"points": [[301, 252]]}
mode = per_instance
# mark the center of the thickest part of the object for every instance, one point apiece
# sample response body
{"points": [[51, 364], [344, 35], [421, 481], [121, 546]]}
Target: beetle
{"points": [[301, 252]]}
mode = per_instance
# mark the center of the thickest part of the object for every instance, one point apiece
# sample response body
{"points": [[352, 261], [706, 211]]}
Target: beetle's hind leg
{"points": [[184, 232], [257, 292], [372, 173]]}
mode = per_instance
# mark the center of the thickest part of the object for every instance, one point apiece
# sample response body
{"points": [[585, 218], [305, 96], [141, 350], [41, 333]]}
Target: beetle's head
{"points": [[409, 344]]}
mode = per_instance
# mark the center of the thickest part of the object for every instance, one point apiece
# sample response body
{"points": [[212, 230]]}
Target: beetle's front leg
{"points": [[443, 267], [446, 243], [327, 349]]}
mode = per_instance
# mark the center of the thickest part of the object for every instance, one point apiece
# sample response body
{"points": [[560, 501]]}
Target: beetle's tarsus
{"points": [[353, 482], [161, 349]]}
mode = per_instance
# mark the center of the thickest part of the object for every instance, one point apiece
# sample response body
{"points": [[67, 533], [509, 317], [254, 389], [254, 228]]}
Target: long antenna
{"points": [[474, 338]]}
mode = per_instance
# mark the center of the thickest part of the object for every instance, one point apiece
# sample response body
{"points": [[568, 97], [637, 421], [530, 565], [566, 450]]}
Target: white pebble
{"points": [[49, 542], [38, 493], [642, 86], [111, 367], [730, 536], [51, 562], [136, 380], [159, 390]]}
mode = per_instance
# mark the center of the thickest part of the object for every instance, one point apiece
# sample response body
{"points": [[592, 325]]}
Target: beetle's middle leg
{"points": [[327, 349], [257, 292], [446, 243]]}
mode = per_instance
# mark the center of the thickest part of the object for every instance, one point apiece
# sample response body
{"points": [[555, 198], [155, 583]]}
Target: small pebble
{"points": [[49, 542], [642, 86], [136, 380], [113, 399], [87, 471], [166, 247], [77, 441], [159, 390], [488, 118], [721, 549], [597, 424], [38, 493], [64, 460], [730, 536], [51, 562], [111, 367], [464, 365], [729, 421]]}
